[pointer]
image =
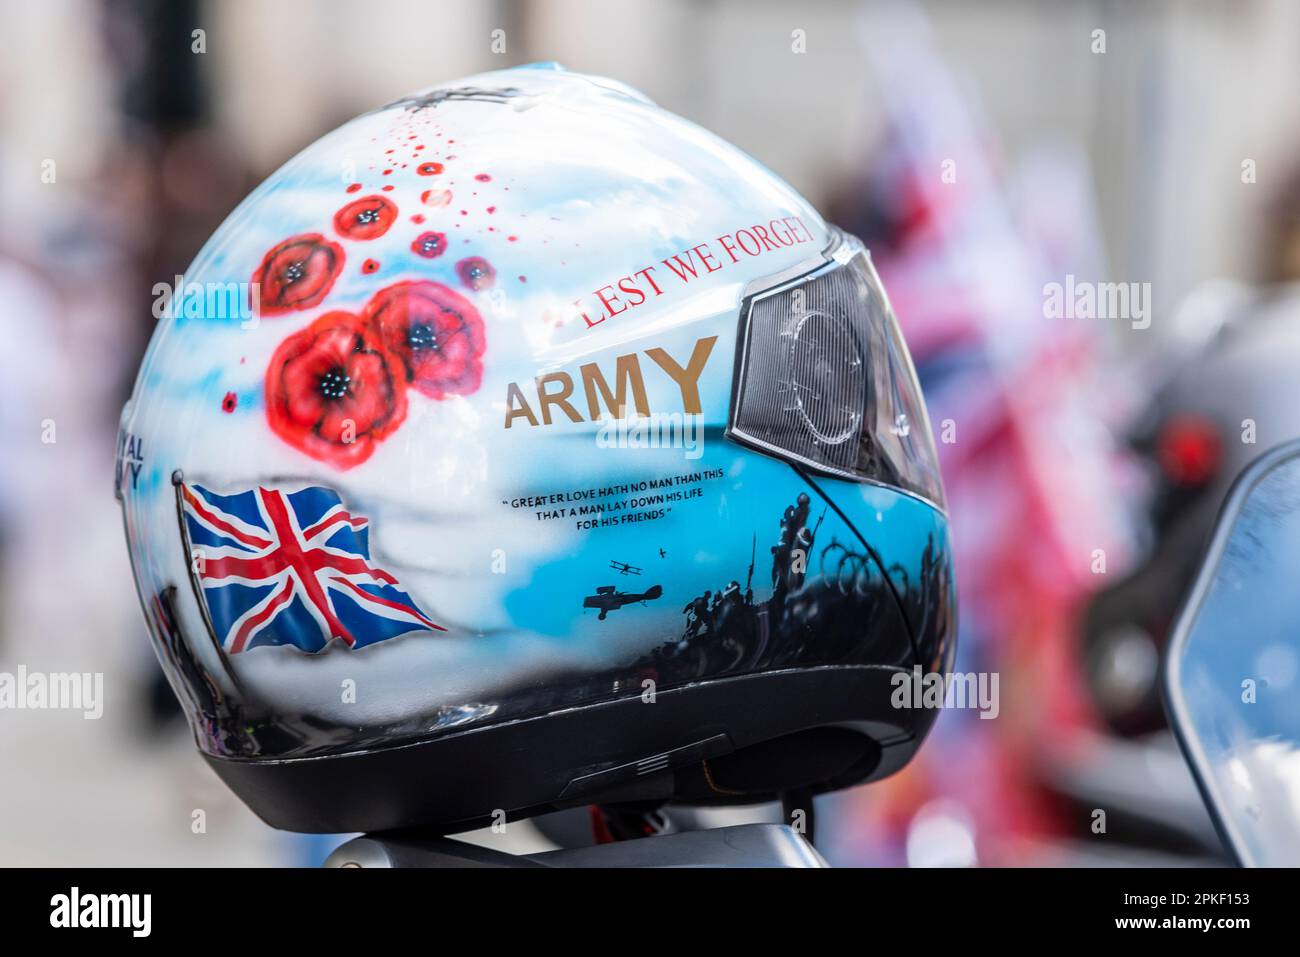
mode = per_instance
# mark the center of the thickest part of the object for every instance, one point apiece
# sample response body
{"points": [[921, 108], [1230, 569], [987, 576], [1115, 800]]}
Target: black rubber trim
{"points": [[462, 780]]}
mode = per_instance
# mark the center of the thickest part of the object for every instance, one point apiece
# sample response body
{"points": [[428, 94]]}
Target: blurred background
{"points": [[984, 152]]}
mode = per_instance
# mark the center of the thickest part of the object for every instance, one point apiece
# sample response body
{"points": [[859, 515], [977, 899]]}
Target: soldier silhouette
{"points": [[698, 615], [796, 541], [781, 550]]}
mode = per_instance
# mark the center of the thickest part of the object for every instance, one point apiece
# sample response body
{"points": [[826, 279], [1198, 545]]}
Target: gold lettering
{"points": [[687, 379], [513, 395], [546, 399], [627, 371]]}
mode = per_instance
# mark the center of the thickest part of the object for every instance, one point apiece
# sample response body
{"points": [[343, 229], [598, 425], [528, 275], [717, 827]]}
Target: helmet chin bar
{"points": [[713, 727]]}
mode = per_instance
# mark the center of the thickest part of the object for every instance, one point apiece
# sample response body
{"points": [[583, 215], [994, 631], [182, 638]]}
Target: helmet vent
{"points": [[807, 382]]}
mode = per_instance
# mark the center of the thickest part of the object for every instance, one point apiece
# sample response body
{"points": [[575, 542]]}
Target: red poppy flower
{"points": [[476, 272], [332, 392], [297, 273], [435, 332], [430, 245], [366, 218]]}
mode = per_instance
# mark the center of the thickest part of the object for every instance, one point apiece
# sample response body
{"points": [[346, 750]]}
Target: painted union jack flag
{"points": [[291, 568]]}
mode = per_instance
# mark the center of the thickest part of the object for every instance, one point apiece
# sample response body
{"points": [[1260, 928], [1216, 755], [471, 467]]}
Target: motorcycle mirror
{"points": [[1232, 671]]}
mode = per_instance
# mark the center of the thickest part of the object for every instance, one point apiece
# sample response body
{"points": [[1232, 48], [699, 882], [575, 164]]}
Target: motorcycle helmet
{"points": [[521, 445]]}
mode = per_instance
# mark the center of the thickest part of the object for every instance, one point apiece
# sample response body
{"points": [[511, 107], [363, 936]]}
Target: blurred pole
{"points": [[170, 179]]}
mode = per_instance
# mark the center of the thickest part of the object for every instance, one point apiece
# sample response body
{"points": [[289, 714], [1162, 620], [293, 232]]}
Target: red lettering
{"points": [[706, 255], [741, 243], [577, 304], [626, 285], [761, 233], [682, 268], [631, 290], [645, 273], [609, 307], [782, 235]]}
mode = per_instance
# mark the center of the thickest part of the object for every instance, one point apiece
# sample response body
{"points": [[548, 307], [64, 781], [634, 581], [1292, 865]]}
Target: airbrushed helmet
{"points": [[521, 445]]}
